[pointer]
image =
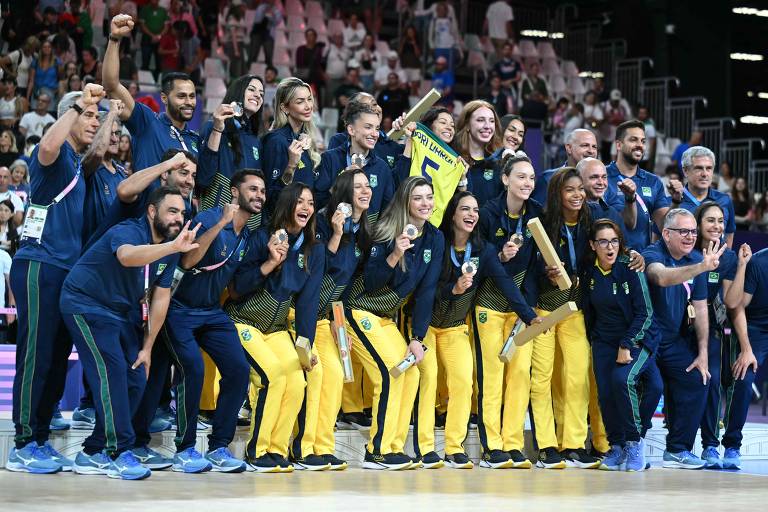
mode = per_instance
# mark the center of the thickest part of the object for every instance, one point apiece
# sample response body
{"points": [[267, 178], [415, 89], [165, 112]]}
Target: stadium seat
{"points": [[528, 49], [558, 86], [576, 86], [476, 60], [147, 81], [550, 68], [283, 70], [281, 39], [546, 51], [281, 56], [214, 68], [314, 9], [473, 42], [335, 26], [215, 87], [294, 8], [318, 25], [296, 39], [258, 69], [569, 69], [296, 24]]}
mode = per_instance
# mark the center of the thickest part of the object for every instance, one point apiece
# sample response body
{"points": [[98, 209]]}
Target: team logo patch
{"points": [[647, 191], [391, 160], [300, 261], [194, 146], [714, 277], [614, 288], [488, 174], [427, 255], [373, 180], [255, 153], [160, 268], [483, 317], [106, 190], [625, 285], [301, 164], [275, 173], [293, 325], [374, 251], [475, 262], [591, 284], [366, 323], [246, 334], [358, 252], [499, 232], [240, 256], [528, 233]]}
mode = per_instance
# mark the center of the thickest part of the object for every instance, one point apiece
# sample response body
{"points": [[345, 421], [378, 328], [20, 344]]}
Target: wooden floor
{"points": [[365, 490]]}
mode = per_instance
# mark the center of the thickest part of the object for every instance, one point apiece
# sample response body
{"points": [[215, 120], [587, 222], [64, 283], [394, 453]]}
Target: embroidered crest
{"points": [[366, 323], [358, 252], [255, 153], [300, 261], [499, 232], [714, 277], [374, 251], [614, 288], [625, 285], [275, 173], [106, 190], [240, 256], [592, 284], [475, 262], [483, 317], [160, 268], [391, 160], [488, 174], [246, 334], [194, 146], [373, 180], [301, 164], [427, 255], [647, 191]]}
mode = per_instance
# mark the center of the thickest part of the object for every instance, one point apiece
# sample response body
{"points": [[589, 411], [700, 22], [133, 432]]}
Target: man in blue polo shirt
{"points": [[197, 321], [152, 133], [363, 130], [677, 275], [129, 270], [652, 202], [698, 165], [51, 242]]}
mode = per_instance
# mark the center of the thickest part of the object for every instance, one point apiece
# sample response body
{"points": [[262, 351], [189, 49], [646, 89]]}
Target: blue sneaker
{"points": [[58, 422], [732, 459], [128, 467], [190, 461], [635, 451], [682, 460], [712, 458], [31, 459], [223, 461], [83, 419], [159, 424], [96, 464], [614, 460], [66, 463], [151, 459]]}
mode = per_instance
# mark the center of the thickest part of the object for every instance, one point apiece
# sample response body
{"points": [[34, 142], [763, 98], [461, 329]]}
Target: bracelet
{"points": [[417, 338], [77, 108], [628, 200], [463, 183], [114, 38], [218, 131]]}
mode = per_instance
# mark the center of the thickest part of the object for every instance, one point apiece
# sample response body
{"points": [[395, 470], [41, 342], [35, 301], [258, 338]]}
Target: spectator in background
{"points": [[347, 88], [267, 17], [18, 63], [615, 111], [44, 74], [153, 22], [443, 80], [593, 114], [70, 69], [12, 106], [20, 179], [336, 58], [32, 123], [270, 87], [498, 24], [443, 34], [393, 100], [649, 159], [190, 50], [598, 87], [501, 101], [8, 149], [725, 178], [146, 99], [49, 25], [128, 68], [9, 235], [234, 38], [370, 60], [125, 154], [90, 64], [354, 33], [742, 203], [410, 58], [508, 69], [64, 47], [177, 11], [169, 51], [531, 82], [677, 155], [309, 64], [574, 119], [83, 33], [9, 195], [392, 66]]}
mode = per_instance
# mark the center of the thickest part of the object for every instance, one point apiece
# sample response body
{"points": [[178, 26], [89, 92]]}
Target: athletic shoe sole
{"points": [[671, 464], [81, 425], [637, 470], [582, 465], [522, 465], [224, 469], [338, 467], [298, 466], [620, 467], [456, 465], [385, 467], [507, 464], [157, 466], [258, 469], [117, 475], [434, 465], [555, 465], [180, 469], [21, 468]]}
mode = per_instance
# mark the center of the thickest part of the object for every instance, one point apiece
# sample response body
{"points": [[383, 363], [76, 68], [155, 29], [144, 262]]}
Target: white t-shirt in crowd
{"points": [[353, 37], [18, 204], [35, 123], [21, 63], [498, 14], [5, 265], [381, 75], [336, 61]]}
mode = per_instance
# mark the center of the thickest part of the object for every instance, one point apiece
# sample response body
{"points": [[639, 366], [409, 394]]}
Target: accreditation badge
{"points": [[34, 223]]}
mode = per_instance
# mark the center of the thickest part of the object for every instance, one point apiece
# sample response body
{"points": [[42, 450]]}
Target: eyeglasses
{"points": [[684, 232], [603, 243]]}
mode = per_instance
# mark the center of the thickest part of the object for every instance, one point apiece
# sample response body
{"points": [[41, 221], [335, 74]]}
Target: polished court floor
{"points": [[424, 490]]}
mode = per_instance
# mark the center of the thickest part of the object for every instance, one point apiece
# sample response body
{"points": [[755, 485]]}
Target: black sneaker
{"points": [[496, 459], [283, 463], [549, 458], [263, 464], [335, 463], [579, 458], [432, 460], [519, 461], [596, 453], [390, 461], [440, 420], [458, 461], [415, 461], [310, 463], [356, 420]]}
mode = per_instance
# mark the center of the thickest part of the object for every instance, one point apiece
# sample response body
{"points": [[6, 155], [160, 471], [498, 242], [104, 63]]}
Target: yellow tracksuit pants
{"points": [[570, 336], [313, 432], [490, 331], [380, 346], [211, 377], [449, 348], [278, 383]]}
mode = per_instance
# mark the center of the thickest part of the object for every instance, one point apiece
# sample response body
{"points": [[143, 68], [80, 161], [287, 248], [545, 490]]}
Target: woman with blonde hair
{"points": [[289, 151], [477, 140]]}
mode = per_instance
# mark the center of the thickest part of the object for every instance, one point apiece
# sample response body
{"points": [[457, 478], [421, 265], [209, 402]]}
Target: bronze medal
{"points": [[517, 239]]}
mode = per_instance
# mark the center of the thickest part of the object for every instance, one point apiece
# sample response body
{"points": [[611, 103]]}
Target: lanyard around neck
{"points": [[467, 255]]}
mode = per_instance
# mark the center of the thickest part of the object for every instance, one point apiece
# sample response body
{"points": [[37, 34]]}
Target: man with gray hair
{"points": [[677, 277], [51, 241], [33, 123], [594, 176], [698, 165]]}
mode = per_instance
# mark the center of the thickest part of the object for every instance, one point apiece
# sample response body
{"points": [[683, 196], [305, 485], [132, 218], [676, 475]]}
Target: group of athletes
{"points": [[223, 249]]}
